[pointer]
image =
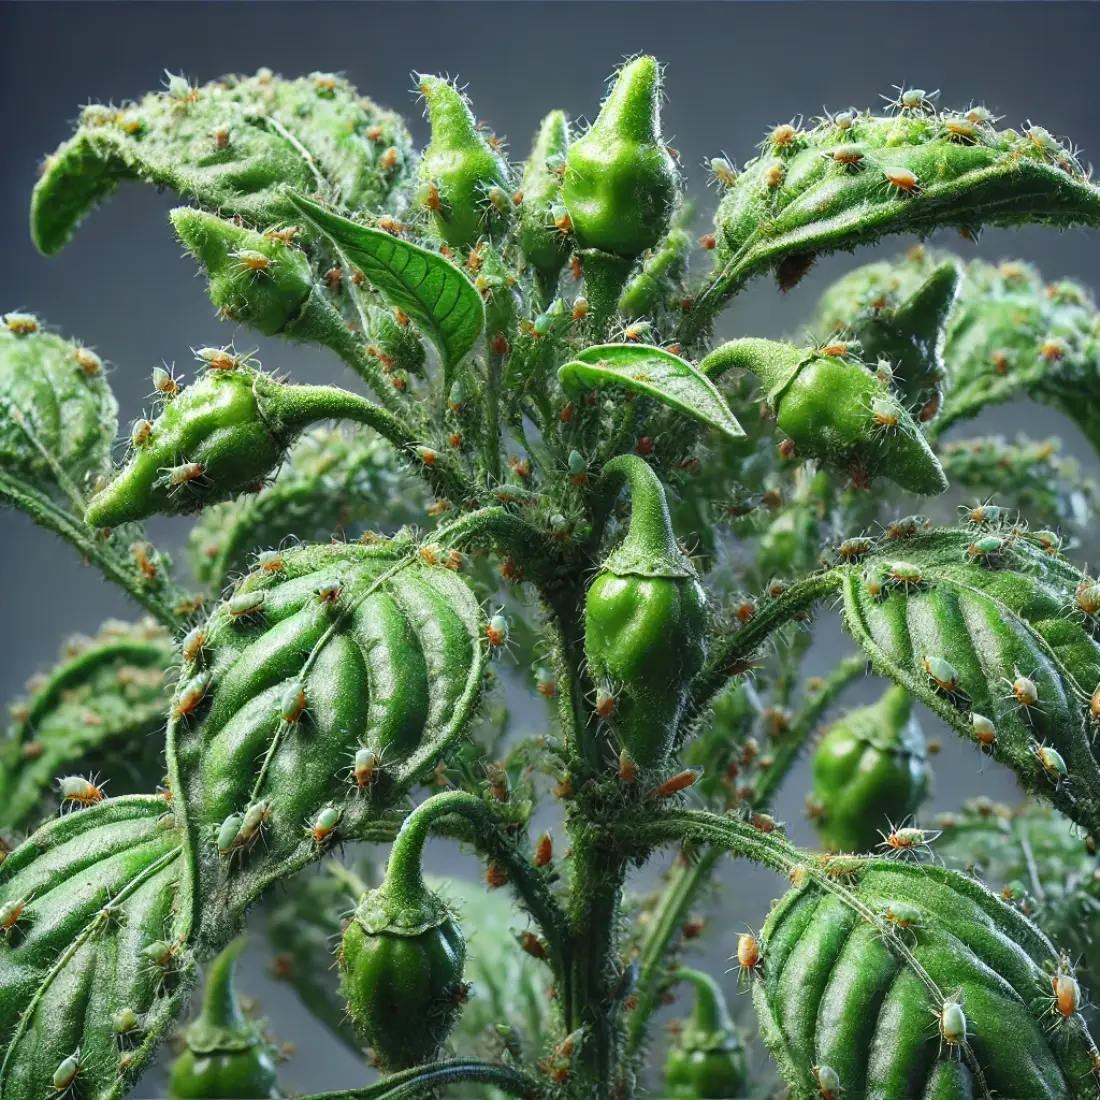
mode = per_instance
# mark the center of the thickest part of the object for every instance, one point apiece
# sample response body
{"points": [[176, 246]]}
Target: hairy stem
{"points": [[88, 544], [423, 1081]]}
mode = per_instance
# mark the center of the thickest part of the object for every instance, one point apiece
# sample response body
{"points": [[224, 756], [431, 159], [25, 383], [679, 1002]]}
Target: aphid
{"points": [[902, 915], [748, 953], [544, 850], [906, 527], [270, 561], [902, 180], [218, 358], [960, 129], [1053, 349], [533, 946], [840, 349], [429, 555], [884, 372], [293, 703], [783, 136], [983, 513], [251, 261], [628, 770], [605, 703], [21, 324], [981, 116], [952, 1022], [850, 156], [545, 684], [931, 408], [1094, 705], [721, 172], [497, 631], [75, 788], [251, 823], [885, 413], [495, 876], [854, 549], [244, 604], [328, 592], [985, 732], [1052, 763], [90, 364], [773, 174], [828, 1082], [140, 433], [1050, 542], [190, 695], [165, 382], [578, 468], [11, 912], [985, 550], [679, 782], [160, 953], [1087, 596], [1024, 690], [905, 573], [324, 824], [872, 583], [125, 1020], [563, 223], [762, 822], [452, 560], [427, 455], [942, 673], [365, 766], [841, 866], [177, 476], [192, 644], [908, 840], [912, 101], [67, 1072], [181, 91]]}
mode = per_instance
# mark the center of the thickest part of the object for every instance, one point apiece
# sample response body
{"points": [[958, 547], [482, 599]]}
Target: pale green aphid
{"points": [[67, 1072], [944, 673], [125, 1020]]}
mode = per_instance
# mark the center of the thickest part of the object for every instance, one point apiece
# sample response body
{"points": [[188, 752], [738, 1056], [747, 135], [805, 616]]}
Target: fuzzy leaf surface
{"points": [[389, 659], [652, 372], [230, 146], [97, 711], [842, 987], [993, 618], [429, 288], [100, 886]]}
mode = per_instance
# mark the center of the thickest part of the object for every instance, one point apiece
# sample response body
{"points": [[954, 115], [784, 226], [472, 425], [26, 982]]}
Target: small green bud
{"points": [[621, 184], [543, 243]]}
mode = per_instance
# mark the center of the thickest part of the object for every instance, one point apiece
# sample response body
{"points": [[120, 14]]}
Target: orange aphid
{"points": [[678, 782]]}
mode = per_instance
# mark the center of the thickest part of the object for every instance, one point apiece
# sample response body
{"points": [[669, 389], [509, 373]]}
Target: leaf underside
{"points": [[993, 618], [101, 884], [842, 986], [391, 663], [652, 372], [430, 289]]}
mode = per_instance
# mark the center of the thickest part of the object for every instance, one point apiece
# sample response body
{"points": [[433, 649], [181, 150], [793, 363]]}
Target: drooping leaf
{"points": [[655, 373], [843, 985], [98, 889], [331, 482], [320, 652], [58, 417], [853, 178], [429, 288], [995, 604], [1011, 336], [230, 146], [97, 712]]}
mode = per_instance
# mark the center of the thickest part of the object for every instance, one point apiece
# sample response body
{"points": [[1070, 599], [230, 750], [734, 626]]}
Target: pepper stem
{"points": [[775, 363], [710, 1013], [650, 547], [605, 277]]}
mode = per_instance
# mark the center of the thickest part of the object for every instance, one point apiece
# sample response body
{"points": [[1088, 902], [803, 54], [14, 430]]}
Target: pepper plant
{"points": [[550, 473]]}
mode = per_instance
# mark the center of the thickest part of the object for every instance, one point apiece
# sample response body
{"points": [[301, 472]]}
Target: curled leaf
{"points": [[88, 905], [654, 373]]}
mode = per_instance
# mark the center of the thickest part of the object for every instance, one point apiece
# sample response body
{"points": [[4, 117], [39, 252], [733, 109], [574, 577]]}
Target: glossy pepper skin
{"points": [[621, 185], [225, 1057], [402, 957], [645, 621], [462, 166], [707, 1061], [869, 770]]}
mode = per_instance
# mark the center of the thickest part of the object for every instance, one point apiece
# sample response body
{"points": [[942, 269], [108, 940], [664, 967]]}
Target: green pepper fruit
{"points": [[834, 409], [465, 189], [645, 621], [707, 1061], [621, 185], [225, 1057], [870, 770], [265, 283], [543, 242], [402, 956]]}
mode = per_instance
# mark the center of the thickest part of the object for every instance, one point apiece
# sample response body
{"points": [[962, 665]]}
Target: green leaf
{"points": [[230, 146], [842, 986], [99, 887], [318, 653], [1011, 335], [331, 482], [830, 187], [96, 712], [993, 615], [430, 289], [655, 373], [58, 417]]}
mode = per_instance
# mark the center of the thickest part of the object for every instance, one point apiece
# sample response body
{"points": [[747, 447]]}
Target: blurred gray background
{"points": [[734, 70]]}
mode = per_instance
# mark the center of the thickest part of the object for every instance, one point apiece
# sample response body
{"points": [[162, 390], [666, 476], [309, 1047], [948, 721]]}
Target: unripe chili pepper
{"points": [[645, 620], [462, 165], [402, 955], [621, 185], [869, 769], [225, 1057], [707, 1061], [544, 244]]}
